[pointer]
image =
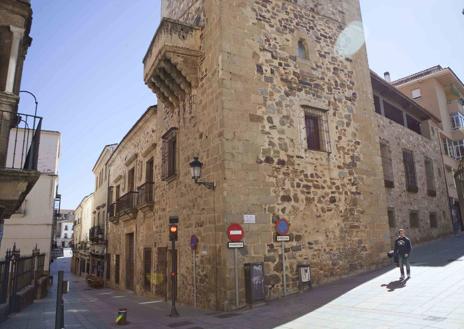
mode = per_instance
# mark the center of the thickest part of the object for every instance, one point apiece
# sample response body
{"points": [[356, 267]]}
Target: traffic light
{"points": [[173, 232]]}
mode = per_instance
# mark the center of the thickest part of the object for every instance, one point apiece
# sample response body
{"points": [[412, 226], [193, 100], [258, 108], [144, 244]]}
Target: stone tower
{"points": [[275, 98]]}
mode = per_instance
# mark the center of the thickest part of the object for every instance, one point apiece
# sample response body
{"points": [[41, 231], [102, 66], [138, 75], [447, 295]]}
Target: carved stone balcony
{"points": [[171, 63]]}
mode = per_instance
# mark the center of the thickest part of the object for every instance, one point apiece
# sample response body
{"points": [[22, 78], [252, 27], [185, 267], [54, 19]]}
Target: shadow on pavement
{"points": [[393, 285], [439, 253]]}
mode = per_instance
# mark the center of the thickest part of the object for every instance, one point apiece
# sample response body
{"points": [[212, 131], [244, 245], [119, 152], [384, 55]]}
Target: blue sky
{"points": [[85, 66]]}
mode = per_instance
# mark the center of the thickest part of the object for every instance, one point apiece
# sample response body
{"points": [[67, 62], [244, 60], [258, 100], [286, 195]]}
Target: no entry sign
{"points": [[235, 232]]}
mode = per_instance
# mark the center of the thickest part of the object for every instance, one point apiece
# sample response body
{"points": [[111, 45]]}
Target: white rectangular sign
{"points": [[283, 238], [249, 219], [235, 244]]}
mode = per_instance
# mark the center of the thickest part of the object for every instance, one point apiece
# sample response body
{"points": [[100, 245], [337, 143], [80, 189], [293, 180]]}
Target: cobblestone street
{"points": [[432, 298]]}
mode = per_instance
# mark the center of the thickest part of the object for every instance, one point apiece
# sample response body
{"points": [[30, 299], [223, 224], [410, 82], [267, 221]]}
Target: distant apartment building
{"points": [[32, 224], [20, 172], [441, 92], [98, 230], [64, 228], [413, 170], [80, 263]]}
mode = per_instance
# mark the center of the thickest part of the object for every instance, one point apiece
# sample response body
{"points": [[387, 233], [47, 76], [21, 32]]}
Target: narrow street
{"points": [[432, 298]]}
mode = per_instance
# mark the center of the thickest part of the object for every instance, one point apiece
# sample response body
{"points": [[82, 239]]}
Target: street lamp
{"points": [[195, 167]]}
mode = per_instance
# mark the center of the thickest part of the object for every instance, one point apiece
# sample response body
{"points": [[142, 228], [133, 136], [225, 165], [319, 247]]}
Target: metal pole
{"points": [[194, 279], [283, 269], [236, 278], [59, 316], [174, 312]]}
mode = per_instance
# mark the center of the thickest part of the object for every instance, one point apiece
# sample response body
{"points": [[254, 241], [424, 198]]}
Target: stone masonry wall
{"points": [[397, 137], [335, 201]]}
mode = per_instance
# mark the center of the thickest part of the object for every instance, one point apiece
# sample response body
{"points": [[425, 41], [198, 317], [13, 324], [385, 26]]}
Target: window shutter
{"points": [[410, 171]]}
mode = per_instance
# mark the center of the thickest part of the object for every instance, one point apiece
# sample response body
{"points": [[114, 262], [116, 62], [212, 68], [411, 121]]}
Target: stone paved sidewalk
{"points": [[432, 298]]}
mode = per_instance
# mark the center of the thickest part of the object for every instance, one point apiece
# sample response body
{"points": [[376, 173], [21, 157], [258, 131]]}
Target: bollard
{"points": [[122, 316]]}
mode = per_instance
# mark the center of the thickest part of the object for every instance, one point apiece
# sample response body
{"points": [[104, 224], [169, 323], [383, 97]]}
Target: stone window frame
{"points": [[391, 217], [410, 172], [387, 165], [302, 49], [169, 155], [430, 177], [414, 219], [433, 219], [324, 134]]}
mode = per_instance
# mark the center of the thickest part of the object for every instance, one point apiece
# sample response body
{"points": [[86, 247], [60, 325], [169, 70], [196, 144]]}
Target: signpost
{"points": [[193, 244], [282, 228], [235, 235]]}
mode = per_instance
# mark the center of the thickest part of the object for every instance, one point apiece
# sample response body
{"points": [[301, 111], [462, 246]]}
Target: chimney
{"points": [[386, 76]]}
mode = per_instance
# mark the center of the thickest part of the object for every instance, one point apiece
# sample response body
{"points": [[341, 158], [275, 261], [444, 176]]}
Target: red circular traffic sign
{"points": [[235, 232]]}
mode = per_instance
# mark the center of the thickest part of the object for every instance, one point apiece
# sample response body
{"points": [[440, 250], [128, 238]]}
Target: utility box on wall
{"points": [[304, 274], [254, 282]]}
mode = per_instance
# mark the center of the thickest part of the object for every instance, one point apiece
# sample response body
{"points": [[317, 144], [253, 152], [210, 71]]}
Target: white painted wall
{"points": [[33, 224]]}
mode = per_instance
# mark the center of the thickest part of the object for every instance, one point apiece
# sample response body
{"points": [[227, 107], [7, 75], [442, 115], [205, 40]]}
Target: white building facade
{"points": [[32, 224]]}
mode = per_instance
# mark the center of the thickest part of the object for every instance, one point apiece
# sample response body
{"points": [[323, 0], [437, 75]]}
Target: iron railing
{"points": [[23, 131], [25, 272], [95, 232], [126, 203], [145, 194]]}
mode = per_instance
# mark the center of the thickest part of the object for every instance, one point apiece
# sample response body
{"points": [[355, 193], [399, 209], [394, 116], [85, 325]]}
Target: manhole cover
{"points": [[435, 318], [179, 324]]}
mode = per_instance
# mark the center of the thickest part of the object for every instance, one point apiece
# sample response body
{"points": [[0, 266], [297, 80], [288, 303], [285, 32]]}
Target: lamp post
{"points": [[195, 167]]}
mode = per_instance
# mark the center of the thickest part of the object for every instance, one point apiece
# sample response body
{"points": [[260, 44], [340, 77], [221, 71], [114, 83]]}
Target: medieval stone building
{"points": [[277, 104], [413, 167]]}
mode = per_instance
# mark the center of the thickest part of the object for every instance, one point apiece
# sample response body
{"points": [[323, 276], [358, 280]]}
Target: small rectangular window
{"points": [[316, 127], [377, 104], [387, 165], [433, 220], [168, 154], [429, 174], [416, 93], [391, 218], [410, 171], [413, 219]]}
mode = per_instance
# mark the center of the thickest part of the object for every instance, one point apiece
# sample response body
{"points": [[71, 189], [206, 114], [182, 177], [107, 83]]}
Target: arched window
{"points": [[301, 50]]}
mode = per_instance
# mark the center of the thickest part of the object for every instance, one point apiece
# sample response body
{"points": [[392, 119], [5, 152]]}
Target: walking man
{"points": [[402, 251]]}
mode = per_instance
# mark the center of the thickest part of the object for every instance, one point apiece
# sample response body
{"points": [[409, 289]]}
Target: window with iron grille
{"points": [[387, 165], [317, 129], [168, 154], [302, 52], [413, 219], [147, 265], [391, 217], [116, 269], [433, 220], [410, 171], [429, 174]]}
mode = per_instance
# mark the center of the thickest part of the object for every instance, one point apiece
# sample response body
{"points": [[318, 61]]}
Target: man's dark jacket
{"points": [[402, 246]]}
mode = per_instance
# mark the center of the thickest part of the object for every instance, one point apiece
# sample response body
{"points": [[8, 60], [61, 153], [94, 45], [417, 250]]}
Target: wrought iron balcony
{"points": [[145, 194], [96, 234], [24, 139], [127, 203]]}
